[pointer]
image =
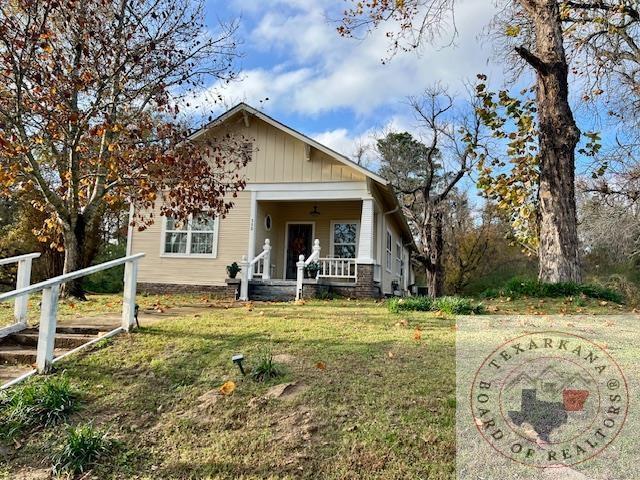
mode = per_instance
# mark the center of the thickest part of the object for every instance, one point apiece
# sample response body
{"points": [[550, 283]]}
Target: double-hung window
{"points": [[197, 236], [345, 239], [389, 252]]}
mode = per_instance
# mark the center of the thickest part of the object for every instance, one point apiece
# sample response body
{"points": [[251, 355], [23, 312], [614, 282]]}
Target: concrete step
{"points": [[273, 282], [76, 329], [22, 355], [63, 340], [272, 290]]}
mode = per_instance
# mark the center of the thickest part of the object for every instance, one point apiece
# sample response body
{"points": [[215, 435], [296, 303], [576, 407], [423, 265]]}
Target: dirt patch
{"points": [[296, 428], [284, 358], [32, 474]]}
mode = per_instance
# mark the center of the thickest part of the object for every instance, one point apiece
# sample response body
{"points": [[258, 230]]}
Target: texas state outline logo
{"points": [[549, 399]]}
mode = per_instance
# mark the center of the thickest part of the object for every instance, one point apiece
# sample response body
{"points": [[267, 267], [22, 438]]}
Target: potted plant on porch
{"points": [[311, 270], [233, 269]]}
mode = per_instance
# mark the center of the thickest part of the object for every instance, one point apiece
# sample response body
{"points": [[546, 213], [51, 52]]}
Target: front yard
{"points": [[374, 396]]}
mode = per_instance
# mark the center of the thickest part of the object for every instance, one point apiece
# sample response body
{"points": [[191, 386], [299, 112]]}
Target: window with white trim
{"points": [[389, 252], [197, 236], [399, 258], [345, 239]]}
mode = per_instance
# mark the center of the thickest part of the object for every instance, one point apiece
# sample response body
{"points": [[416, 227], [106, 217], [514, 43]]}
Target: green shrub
{"points": [[533, 288], [266, 368], [456, 306], [111, 280], [82, 449], [35, 403], [450, 305]]}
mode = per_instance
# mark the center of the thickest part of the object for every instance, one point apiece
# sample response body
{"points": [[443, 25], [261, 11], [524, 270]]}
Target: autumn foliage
{"points": [[89, 112]]}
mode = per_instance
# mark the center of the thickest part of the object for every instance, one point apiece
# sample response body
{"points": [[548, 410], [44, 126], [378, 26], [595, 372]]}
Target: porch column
{"points": [[251, 250], [365, 242]]}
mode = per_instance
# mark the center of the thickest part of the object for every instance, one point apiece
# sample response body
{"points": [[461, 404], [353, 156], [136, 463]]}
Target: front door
{"points": [[299, 242]]}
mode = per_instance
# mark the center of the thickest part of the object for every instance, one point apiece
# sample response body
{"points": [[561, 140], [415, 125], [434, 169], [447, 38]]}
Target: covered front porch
{"points": [[336, 240]]}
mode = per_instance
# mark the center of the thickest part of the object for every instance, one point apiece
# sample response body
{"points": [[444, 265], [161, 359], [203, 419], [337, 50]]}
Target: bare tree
{"points": [[425, 174]]}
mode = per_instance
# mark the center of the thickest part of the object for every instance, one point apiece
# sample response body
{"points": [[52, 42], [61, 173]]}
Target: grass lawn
{"points": [[371, 400]]}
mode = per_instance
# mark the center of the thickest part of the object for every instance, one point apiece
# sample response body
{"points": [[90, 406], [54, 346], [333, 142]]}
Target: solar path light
{"points": [[238, 359]]}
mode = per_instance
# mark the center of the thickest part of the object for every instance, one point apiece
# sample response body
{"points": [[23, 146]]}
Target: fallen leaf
{"points": [[391, 354], [321, 366], [417, 334], [227, 388], [604, 303]]}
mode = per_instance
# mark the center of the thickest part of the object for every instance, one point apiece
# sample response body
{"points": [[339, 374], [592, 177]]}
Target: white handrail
{"points": [[49, 305], [315, 254], [23, 279], [69, 276], [246, 269], [7, 261]]}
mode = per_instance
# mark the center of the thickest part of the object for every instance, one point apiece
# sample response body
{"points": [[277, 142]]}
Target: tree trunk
{"points": [[74, 257], [435, 247], [558, 250]]}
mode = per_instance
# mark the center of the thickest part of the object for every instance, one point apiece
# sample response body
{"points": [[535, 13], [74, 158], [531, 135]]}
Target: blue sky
{"points": [[334, 89]]}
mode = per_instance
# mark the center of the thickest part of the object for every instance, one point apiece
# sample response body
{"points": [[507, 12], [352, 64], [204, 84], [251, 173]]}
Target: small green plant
{"points": [[233, 270], [37, 403], [517, 287], [265, 369], [311, 270], [450, 305], [83, 447], [457, 306]]}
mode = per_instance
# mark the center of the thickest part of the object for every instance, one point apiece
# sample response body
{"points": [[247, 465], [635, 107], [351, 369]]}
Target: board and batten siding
{"points": [[280, 158], [233, 238]]}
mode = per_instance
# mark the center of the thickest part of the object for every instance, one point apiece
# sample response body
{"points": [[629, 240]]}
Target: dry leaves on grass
{"points": [[417, 335], [227, 388], [321, 366]]}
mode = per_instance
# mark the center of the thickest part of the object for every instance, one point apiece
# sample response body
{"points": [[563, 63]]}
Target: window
{"points": [[389, 254], [345, 239], [197, 236], [399, 259]]}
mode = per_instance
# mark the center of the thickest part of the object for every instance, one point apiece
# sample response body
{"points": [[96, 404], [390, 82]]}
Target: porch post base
{"points": [[365, 286]]}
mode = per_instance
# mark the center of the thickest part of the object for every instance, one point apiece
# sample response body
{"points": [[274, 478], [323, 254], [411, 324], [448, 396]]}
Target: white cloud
{"points": [[348, 73], [349, 144]]}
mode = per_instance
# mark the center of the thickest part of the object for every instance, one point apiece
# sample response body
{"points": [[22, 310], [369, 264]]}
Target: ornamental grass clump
{"points": [[449, 305], [36, 403], [82, 449]]}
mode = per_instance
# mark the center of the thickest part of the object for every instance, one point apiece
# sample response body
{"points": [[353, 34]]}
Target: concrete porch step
{"points": [[273, 282], [21, 348], [272, 290], [23, 355], [63, 340]]}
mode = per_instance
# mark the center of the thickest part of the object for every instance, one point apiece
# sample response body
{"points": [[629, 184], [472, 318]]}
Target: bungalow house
{"points": [[301, 199]]}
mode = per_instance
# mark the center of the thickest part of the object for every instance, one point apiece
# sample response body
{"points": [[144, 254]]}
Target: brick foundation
{"points": [[364, 287], [227, 292]]}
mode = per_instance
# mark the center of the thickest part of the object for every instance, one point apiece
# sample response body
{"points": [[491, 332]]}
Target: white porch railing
{"points": [[23, 280], [314, 257], [344, 268], [259, 266], [49, 306]]}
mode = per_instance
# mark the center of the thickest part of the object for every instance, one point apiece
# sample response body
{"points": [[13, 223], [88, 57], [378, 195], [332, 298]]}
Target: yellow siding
{"points": [[233, 235], [280, 158]]}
